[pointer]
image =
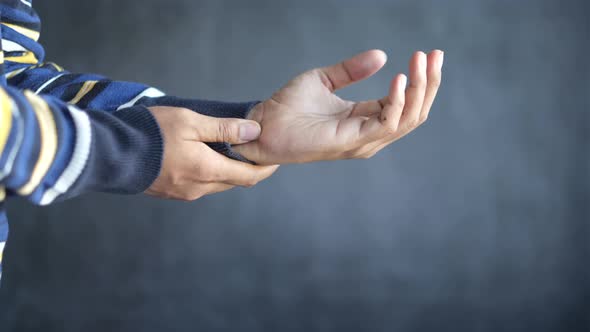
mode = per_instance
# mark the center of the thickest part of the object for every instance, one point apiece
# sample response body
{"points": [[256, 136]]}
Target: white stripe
{"points": [[14, 73], [20, 136], [10, 46], [149, 92], [2, 246], [47, 83], [79, 157], [28, 3]]}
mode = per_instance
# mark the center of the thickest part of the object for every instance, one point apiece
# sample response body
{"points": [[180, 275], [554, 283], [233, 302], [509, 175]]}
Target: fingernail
{"points": [[441, 60], [249, 131]]}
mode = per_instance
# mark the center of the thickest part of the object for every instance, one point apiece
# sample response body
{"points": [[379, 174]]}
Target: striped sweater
{"points": [[63, 134]]}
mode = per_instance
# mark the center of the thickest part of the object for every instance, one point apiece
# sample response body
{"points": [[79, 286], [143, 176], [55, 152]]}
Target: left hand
{"points": [[191, 169], [305, 121]]}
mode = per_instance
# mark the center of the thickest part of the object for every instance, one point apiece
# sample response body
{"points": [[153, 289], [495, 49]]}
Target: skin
{"points": [[190, 169], [304, 121]]}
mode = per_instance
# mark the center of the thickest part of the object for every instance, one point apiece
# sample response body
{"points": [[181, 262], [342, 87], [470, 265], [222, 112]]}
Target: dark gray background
{"points": [[476, 222]]}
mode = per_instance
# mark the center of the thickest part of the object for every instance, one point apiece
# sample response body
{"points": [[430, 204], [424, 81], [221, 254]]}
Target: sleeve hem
{"points": [[150, 161]]}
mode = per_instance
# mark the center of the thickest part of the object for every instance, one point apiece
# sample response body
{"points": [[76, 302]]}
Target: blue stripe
{"points": [[24, 41], [116, 94], [19, 15], [33, 79], [3, 224]]}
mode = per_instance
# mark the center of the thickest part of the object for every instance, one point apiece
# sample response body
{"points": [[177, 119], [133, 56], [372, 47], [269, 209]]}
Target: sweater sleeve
{"points": [[50, 150], [25, 69]]}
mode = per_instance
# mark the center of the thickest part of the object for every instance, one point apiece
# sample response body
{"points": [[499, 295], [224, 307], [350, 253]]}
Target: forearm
{"points": [[50, 150], [25, 69], [91, 91]]}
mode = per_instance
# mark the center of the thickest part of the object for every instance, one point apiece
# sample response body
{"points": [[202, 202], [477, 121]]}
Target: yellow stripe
{"points": [[14, 73], [34, 35], [5, 118], [56, 66], [2, 193], [86, 87], [27, 57], [48, 147]]}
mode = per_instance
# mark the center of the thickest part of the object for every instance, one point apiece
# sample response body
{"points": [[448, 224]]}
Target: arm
{"points": [[50, 150], [25, 69], [302, 122]]}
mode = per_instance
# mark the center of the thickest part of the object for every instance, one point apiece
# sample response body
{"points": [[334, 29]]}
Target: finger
{"points": [[394, 110], [372, 107], [435, 62], [394, 103], [357, 68], [235, 172], [234, 131], [382, 125], [416, 90], [366, 108]]}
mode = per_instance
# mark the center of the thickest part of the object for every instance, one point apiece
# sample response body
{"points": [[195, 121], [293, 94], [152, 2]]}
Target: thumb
{"points": [[234, 131], [355, 69]]}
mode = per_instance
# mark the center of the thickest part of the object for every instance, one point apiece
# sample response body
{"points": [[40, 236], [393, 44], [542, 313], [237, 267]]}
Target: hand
{"points": [[191, 169], [305, 121]]}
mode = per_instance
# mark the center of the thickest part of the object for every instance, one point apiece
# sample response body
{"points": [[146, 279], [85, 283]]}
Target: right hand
{"points": [[190, 169]]}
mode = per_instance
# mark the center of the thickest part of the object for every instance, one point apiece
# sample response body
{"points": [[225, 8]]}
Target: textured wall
{"points": [[476, 222]]}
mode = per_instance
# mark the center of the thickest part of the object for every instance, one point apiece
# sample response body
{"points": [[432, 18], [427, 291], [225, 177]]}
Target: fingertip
{"points": [[374, 60], [436, 59], [380, 55], [397, 87], [250, 122], [418, 56]]}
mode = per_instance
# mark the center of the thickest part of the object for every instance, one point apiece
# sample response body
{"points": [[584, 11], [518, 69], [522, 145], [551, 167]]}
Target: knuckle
{"points": [[435, 82], [351, 154], [418, 84], [175, 179], [413, 123], [367, 155], [251, 182], [392, 128], [186, 197], [423, 118], [195, 196], [226, 130], [399, 103]]}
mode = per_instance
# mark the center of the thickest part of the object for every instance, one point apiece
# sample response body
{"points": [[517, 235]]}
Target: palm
{"points": [[305, 121]]}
